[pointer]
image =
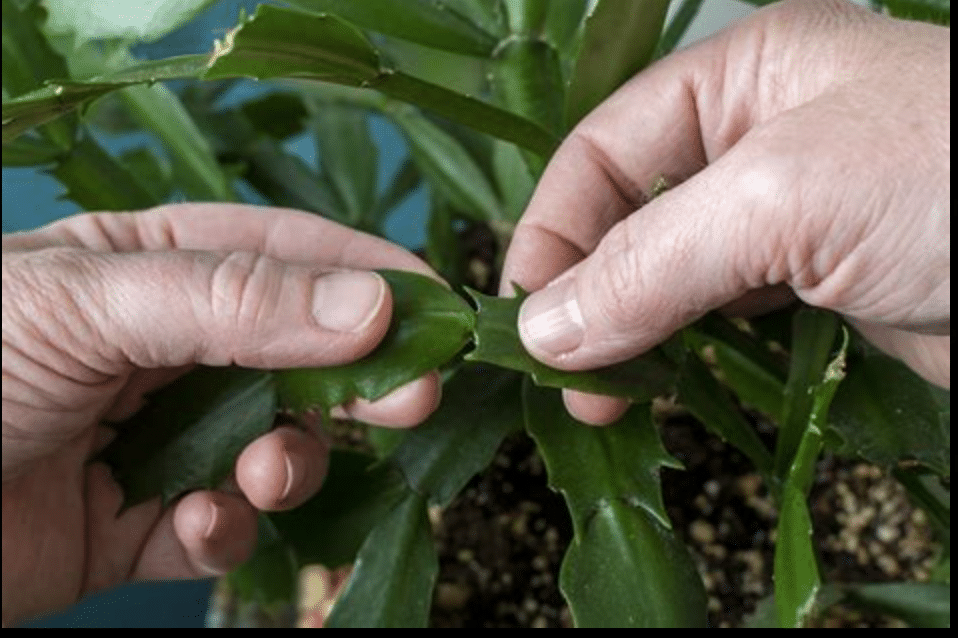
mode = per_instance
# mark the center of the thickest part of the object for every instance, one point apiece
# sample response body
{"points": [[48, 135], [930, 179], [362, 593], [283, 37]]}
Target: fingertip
{"points": [[594, 409], [217, 531], [282, 468], [404, 407]]}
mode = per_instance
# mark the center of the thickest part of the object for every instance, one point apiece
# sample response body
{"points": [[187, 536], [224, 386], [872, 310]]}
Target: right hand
{"points": [[809, 147]]}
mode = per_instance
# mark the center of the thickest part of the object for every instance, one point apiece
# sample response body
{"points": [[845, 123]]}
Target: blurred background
{"points": [[32, 199]]}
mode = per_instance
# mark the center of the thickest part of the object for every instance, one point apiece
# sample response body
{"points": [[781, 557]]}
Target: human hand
{"points": [[100, 309], [809, 147]]}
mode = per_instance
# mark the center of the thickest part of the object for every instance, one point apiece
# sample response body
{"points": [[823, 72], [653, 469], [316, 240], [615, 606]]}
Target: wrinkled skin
{"points": [[809, 152], [99, 310]]}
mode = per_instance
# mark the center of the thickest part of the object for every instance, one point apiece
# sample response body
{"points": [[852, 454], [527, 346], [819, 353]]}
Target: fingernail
{"points": [[216, 517], [295, 472], [348, 301], [550, 320]]}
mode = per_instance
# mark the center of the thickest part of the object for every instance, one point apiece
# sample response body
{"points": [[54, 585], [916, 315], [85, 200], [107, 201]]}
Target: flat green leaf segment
{"points": [[617, 40], [330, 49], [426, 22], [190, 433], [27, 59], [625, 567], [430, 325], [921, 605], [797, 579], [58, 98], [324, 47], [497, 341], [392, 583], [481, 405], [816, 331], [330, 528], [886, 413], [703, 395]]}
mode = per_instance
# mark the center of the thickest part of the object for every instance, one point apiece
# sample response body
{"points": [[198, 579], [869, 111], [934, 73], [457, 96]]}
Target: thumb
{"points": [[655, 271], [172, 308]]}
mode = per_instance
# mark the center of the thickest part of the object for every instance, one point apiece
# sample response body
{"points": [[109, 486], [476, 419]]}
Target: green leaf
{"points": [[334, 51], [330, 528], [797, 579], [925, 490], [28, 60], [96, 180], [30, 150], [444, 251], [153, 174], [591, 465], [348, 157], [395, 572], [278, 115], [59, 98], [481, 405], [708, 401], [937, 11], [750, 369], [514, 178], [624, 567], [197, 172], [430, 325], [813, 338], [921, 605], [190, 433], [448, 166], [561, 26], [617, 41], [886, 413], [282, 178], [627, 571], [527, 17], [268, 578], [678, 25], [528, 80], [487, 15], [497, 341], [426, 22]]}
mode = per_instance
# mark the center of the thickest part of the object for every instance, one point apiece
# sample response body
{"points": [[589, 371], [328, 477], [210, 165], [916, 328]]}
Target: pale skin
{"points": [[100, 309], [809, 152]]}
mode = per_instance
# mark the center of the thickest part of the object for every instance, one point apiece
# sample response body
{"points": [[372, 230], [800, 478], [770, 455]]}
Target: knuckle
{"points": [[620, 281], [244, 289]]}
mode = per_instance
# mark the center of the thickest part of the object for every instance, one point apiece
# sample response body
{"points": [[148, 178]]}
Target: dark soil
{"points": [[501, 543]]}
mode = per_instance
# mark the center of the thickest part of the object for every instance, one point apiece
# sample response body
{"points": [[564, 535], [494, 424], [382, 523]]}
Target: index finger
{"points": [[606, 169], [281, 233]]}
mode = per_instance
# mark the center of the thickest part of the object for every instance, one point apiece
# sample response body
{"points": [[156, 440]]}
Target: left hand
{"points": [[101, 309]]}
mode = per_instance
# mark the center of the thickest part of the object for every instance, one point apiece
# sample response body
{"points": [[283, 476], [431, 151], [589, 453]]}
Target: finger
{"points": [[594, 409], [283, 468], [205, 534], [169, 309], [928, 355], [281, 233], [608, 166], [696, 247], [406, 406]]}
